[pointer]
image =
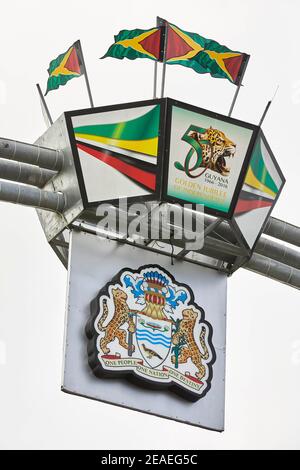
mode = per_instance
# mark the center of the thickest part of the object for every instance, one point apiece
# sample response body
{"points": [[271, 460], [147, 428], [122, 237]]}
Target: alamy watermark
{"points": [[153, 221]]}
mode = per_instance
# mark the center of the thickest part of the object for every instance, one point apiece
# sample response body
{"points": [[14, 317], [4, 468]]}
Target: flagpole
{"points": [[155, 80], [235, 98], [78, 43], [264, 113], [165, 38], [158, 25], [44, 104], [267, 108], [238, 87]]}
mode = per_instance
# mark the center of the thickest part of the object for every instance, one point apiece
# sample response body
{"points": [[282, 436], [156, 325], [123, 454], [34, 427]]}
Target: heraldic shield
{"points": [[153, 328], [145, 323], [153, 339]]}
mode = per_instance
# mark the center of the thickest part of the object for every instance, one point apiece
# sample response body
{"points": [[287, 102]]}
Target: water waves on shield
{"points": [[153, 339]]}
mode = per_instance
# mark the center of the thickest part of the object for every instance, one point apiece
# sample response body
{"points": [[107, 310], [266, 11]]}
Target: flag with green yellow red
{"points": [[65, 67], [176, 46]]}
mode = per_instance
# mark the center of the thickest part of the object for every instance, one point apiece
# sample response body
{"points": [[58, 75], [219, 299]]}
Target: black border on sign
{"points": [[102, 109], [217, 213], [261, 135], [130, 375]]}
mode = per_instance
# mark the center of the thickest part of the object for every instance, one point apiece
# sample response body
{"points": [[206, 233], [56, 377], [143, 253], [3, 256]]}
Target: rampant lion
{"points": [[190, 350], [214, 153], [121, 316]]}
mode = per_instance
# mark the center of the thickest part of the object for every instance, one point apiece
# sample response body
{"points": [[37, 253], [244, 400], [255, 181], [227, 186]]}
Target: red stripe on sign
{"points": [[246, 206], [141, 176]]}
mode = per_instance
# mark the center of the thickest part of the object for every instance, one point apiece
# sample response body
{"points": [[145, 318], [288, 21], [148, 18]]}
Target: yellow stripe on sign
{"points": [[147, 146], [251, 180]]}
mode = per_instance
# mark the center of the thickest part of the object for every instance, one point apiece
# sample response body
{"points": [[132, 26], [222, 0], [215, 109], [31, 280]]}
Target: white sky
{"points": [[263, 340]]}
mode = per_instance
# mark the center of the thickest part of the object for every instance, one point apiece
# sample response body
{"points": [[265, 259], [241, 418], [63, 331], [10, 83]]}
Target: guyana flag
{"points": [[204, 55], [65, 67], [176, 46], [136, 44]]}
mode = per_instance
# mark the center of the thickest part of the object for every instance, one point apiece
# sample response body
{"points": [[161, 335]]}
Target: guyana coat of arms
{"points": [[146, 326]]}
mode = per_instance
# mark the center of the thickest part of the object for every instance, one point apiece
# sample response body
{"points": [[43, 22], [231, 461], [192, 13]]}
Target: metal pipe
{"points": [[283, 231], [278, 251], [24, 173], [274, 270], [32, 154], [266, 247], [31, 196], [275, 228]]}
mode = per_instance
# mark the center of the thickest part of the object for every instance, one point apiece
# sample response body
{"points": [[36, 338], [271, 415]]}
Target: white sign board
{"points": [[144, 333], [117, 151]]}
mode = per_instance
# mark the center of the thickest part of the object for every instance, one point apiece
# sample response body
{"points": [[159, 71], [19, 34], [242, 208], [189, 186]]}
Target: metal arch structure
{"points": [[271, 257], [44, 176]]}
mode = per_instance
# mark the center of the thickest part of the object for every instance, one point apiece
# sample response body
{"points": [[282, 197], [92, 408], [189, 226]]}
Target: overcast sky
{"points": [[263, 337]]}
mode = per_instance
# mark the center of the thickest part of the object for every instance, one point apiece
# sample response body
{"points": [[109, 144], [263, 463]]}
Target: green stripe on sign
{"points": [[260, 170], [141, 128]]}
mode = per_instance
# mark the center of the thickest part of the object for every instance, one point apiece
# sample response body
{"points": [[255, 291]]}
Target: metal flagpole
{"points": [[264, 113], [158, 25], [235, 98], [78, 45], [267, 108], [165, 39], [44, 104], [238, 87], [155, 80]]}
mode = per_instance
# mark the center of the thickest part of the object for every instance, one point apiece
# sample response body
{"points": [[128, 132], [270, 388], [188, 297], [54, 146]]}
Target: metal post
{"points": [[155, 80], [234, 99], [163, 80], [44, 104], [267, 107], [78, 44], [264, 113], [158, 25]]}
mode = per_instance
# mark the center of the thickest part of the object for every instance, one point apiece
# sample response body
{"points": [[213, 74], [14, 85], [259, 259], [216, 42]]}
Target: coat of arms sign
{"points": [[147, 326]]}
